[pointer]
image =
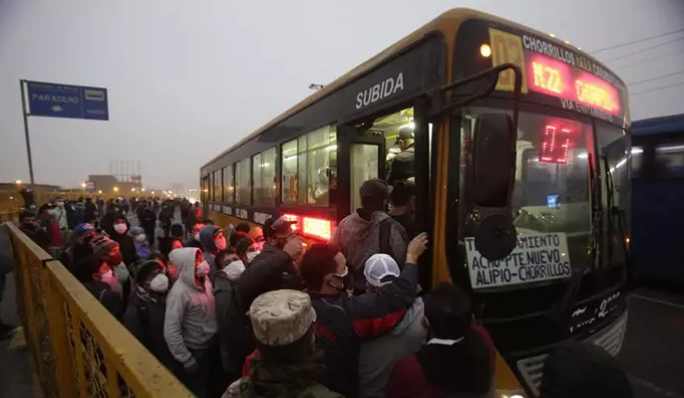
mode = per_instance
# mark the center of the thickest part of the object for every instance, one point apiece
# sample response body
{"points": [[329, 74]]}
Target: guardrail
{"points": [[79, 348]]}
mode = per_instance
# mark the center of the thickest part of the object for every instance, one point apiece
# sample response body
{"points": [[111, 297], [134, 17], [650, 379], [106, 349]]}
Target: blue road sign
{"points": [[61, 100]]}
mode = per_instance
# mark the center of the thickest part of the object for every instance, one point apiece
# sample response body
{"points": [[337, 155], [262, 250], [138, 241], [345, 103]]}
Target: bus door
{"points": [[377, 141], [363, 156]]}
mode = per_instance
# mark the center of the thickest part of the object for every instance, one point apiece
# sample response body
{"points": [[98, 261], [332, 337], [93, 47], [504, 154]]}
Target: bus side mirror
{"points": [[493, 160]]}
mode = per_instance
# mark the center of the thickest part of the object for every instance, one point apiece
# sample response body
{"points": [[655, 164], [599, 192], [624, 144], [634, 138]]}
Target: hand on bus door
{"points": [[416, 248]]}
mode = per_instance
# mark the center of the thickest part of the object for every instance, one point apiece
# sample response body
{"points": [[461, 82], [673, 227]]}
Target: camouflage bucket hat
{"points": [[281, 317]]}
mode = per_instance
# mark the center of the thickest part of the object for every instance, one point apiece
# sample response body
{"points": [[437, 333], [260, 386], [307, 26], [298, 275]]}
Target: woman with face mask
{"points": [[142, 246], [146, 310], [247, 250], [98, 277], [343, 321], [118, 231]]}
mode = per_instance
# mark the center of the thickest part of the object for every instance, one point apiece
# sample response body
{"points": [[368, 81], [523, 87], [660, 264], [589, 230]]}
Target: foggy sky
{"points": [[186, 79]]}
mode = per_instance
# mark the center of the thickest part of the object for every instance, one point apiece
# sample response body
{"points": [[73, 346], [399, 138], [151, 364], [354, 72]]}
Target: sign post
{"points": [[63, 101], [26, 130]]}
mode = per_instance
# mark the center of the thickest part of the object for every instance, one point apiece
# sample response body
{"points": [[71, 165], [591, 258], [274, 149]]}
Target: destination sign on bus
{"points": [[536, 258], [581, 84]]}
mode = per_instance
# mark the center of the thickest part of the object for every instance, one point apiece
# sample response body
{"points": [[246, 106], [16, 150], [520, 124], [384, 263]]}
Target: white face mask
{"points": [[122, 273], [202, 270], [220, 243], [159, 283], [60, 204], [140, 238], [120, 228], [234, 270], [196, 236], [252, 255]]}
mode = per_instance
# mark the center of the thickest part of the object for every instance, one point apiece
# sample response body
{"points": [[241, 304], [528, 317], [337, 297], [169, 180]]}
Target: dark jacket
{"points": [[234, 330], [147, 218], [193, 243], [90, 210], [463, 369], [74, 254], [272, 269], [209, 249], [403, 166], [39, 236], [126, 244], [144, 318], [104, 294], [342, 323]]}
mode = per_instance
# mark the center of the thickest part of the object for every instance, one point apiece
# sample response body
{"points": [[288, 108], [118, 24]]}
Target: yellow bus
{"points": [[521, 166]]}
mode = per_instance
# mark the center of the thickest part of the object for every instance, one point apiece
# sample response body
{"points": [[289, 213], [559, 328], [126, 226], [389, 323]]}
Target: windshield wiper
{"points": [[615, 211], [567, 301]]}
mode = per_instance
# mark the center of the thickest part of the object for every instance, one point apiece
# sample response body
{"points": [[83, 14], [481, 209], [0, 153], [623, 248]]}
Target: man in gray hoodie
{"points": [[190, 324], [370, 230], [378, 357]]}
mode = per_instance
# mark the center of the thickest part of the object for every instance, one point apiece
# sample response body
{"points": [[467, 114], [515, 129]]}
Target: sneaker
{"points": [[6, 331]]}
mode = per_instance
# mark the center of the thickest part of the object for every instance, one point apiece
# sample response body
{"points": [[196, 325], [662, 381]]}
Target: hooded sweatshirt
{"points": [[190, 310], [377, 357], [359, 239], [209, 249]]}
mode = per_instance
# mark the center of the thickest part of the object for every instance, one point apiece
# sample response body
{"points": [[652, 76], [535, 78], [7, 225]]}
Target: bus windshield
{"points": [[550, 204]]}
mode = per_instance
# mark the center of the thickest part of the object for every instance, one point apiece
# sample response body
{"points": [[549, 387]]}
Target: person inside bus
{"points": [[213, 242], [286, 365], [194, 239], [403, 165], [583, 369], [403, 198], [370, 230], [378, 356], [144, 316], [247, 250], [273, 268], [344, 321], [190, 324], [453, 344]]}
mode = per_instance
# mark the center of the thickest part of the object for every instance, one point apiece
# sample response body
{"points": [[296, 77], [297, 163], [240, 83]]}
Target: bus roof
{"points": [[658, 125], [448, 22]]}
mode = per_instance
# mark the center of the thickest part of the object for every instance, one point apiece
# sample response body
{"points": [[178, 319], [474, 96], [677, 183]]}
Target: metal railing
{"points": [[79, 348]]}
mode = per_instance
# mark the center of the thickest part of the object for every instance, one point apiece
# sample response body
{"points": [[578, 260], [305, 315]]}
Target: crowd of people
{"points": [[255, 315]]}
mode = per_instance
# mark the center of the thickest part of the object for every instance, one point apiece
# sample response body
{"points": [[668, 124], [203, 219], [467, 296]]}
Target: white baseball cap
{"points": [[377, 267]]}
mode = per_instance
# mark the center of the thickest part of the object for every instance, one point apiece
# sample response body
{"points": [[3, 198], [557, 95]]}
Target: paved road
{"points": [[653, 351], [17, 378]]}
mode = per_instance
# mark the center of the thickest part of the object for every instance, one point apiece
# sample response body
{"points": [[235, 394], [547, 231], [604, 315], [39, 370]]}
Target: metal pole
{"points": [[26, 130]]}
